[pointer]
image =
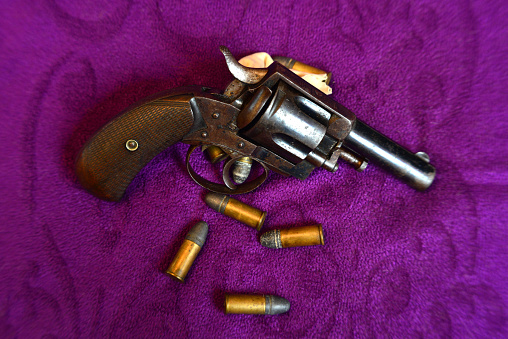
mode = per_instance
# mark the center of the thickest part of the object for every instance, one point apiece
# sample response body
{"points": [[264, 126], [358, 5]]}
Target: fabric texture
{"points": [[396, 263]]}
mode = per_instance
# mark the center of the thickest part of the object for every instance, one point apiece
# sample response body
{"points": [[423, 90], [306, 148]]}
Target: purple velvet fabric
{"points": [[430, 74]]}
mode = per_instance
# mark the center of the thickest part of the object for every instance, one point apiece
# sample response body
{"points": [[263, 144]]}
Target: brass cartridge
{"points": [[293, 237], [215, 154], [235, 209], [188, 251], [255, 304], [296, 65]]}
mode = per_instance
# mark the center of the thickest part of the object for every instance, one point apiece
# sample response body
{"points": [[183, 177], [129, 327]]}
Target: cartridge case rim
{"points": [[261, 221], [246, 160], [321, 237], [174, 276], [183, 260]]}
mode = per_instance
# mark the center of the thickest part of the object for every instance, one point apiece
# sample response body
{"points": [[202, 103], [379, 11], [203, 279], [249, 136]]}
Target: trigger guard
{"points": [[218, 188], [225, 174]]}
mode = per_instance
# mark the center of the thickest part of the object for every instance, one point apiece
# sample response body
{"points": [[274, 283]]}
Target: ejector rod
{"points": [[414, 169]]}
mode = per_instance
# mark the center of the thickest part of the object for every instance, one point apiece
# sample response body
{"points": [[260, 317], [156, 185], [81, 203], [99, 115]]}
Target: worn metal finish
{"points": [[293, 237], [255, 304], [414, 169], [235, 209], [188, 251], [286, 125], [234, 90], [270, 115], [254, 106], [247, 75], [359, 163], [285, 129]]}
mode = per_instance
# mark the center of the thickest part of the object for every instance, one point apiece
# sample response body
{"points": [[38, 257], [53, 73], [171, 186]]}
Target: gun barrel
{"points": [[413, 169]]}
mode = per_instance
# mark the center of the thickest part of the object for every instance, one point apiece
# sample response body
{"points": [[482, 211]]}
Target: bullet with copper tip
{"points": [[188, 251], [293, 237], [255, 304], [235, 209]]}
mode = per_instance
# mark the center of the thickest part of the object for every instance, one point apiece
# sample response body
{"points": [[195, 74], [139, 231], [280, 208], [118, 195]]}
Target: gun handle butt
{"points": [[110, 160]]}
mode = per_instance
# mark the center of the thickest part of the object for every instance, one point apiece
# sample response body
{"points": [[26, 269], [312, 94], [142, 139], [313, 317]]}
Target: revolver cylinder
{"points": [[283, 126]]}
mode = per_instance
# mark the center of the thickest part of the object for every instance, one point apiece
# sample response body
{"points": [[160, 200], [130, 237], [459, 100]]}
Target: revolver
{"points": [[270, 115]]}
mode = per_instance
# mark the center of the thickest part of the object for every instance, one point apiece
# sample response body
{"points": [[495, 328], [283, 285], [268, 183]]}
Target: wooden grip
{"points": [[106, 165]]}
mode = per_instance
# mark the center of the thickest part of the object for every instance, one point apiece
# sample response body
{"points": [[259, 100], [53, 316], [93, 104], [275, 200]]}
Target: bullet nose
{"points": [[198, 233], [216, 201], [278, 305], [241, 169], [270, 239]]}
